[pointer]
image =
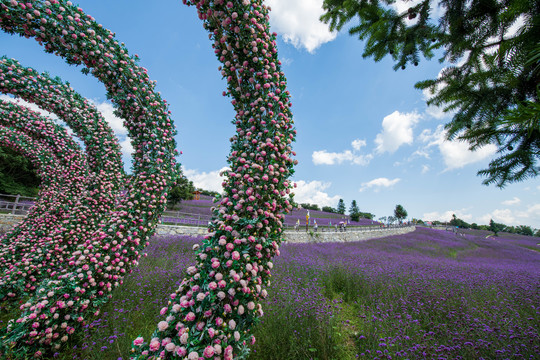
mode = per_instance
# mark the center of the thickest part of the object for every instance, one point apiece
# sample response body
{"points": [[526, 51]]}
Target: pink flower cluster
{"points": [[210, 315], [81, 239]]}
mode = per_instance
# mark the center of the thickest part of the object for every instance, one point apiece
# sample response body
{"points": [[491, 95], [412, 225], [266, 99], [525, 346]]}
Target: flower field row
{"points": [[427, 294]]}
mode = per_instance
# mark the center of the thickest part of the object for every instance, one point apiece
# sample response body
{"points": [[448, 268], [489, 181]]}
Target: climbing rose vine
{"points": [[211, 313], [45, 227], [90, 236], [54, 154]]}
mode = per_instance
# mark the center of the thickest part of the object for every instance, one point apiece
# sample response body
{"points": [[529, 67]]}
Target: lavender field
{"points": [[429, 294]]}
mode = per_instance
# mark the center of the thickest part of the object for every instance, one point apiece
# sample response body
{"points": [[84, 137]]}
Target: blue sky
{"points": [[364, 132]]}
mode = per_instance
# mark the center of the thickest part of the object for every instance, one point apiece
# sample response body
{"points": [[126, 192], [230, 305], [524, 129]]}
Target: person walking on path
{"points": [[315, 226]]}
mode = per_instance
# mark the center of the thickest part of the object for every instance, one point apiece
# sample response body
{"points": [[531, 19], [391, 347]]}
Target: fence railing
{"points": [[332, 228], [19, 205], [183, 218], [16, 204]]}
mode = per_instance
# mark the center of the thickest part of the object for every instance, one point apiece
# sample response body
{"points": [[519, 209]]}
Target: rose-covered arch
{"points": [[47, 145], [63, 175], [211, 313], [51, 162], [83, 207], [57, 97], [62, 302], [42, 157], [67, 152], [44, 130]]}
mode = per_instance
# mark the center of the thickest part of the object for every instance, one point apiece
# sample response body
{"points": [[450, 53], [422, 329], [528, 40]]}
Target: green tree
{"points": [[354, 211], [182, 190], [366, 215], [341, 207], [328, 209], [537, 233], [400, 213], [208, 192], [495, 227], [524, 230], [17, 174], [492, 83], [310, 206], [458, 222]]}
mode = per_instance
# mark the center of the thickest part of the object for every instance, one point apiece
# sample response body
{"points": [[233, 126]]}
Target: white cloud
{"points": [[29, 105], [533, 211], [107, 110], [425, 169], [378, 184], [514, 217], [420, 153], [286, 61], [298, 22], [117, 125], [403, 5], [127, 149], [313, 193], [396, 131], [433, 111], [206, 180], [447, 215], [504, 216], [358, 144], [323, 157], [514, 201], [456, 154]]}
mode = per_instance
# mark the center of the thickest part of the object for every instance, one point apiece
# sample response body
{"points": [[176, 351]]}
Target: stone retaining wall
{"points": [[302, 236], [349, 235], [7, 221]]}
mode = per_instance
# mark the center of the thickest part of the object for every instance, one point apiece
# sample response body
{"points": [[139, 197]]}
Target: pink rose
{"points": [[163, 325], [208, 352], [190, 316], [228, 353], [154, 345], [170, 347], [181, 351]]}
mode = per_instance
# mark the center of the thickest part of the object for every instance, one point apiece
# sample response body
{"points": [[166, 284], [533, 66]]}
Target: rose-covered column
{"points": [[210, 315]]}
